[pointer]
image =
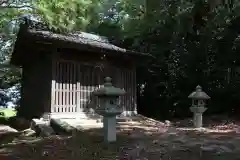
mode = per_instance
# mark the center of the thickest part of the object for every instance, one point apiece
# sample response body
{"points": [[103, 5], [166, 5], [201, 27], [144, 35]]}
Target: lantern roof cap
{"points": [[108, 89], [199, 94]]}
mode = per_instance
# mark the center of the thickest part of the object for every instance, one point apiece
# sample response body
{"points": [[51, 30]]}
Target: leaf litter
{"points": [[140, 140]]}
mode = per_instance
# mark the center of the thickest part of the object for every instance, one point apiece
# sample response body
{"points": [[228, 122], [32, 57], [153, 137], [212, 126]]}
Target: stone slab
{"points": [[5, 128], [41, 127], [35, 122], [7, 134], [90, 115], [82, 124], [60, 126]]}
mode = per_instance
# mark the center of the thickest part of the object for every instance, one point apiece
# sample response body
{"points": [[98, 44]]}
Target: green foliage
{"points": [[193, 42], [68, 15], [7, 113], [10, 10], [190, 50]]}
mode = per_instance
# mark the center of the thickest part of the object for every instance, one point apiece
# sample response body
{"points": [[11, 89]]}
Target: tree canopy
{"points": [[194, 42]]}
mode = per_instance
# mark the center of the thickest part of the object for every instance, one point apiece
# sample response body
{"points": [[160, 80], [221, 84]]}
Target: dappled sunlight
{"points": [[89, 144], [141, 126], [136, 139], [220, 125], [207, 130]]}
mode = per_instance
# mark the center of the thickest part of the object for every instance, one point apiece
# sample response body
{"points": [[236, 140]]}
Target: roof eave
{"points": [[140, 54], [126, 52]]}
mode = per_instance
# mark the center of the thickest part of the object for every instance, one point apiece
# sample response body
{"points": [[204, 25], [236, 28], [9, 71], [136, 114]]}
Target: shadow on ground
{"points": [[15, 122], [152, 141]]}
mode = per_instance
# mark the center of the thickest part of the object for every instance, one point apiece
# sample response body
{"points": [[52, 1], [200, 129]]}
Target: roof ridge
{"points": [[39, 25], [103, 40], [90, 40]]}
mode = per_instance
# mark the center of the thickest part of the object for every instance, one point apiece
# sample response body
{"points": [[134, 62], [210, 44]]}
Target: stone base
{"points": [[80, 115], [197, 116], [36, 122], [126, 115], [41, 127]]}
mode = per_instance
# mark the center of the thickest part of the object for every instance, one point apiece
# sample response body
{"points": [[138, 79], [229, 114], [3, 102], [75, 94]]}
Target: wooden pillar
{"points": [[53, 87], [135, 89], [78, 98]]}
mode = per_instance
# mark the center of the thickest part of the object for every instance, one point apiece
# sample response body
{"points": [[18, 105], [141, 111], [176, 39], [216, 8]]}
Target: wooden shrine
{"points": [[59, 71]]}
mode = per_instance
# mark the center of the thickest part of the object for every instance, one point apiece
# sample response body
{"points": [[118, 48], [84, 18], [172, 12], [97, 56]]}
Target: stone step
{"points": [[82, 115], [88, 123], [89, 116], [81, 121]]}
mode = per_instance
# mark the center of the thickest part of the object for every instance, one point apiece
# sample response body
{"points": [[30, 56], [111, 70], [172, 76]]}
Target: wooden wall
{"points": [[60, 80], [73, 82], [36, 87]]}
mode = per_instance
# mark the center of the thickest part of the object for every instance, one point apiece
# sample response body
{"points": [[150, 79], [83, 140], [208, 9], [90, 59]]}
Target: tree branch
{"points": [[16, 7], [2, 2], [7, 4]]}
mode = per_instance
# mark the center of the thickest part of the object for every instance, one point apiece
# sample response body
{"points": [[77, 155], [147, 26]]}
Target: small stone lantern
{"points": [[198, 105], [108, 96]]}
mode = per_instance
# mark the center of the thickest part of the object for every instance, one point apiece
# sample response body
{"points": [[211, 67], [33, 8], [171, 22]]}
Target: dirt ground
{"points": [[138, 140]]}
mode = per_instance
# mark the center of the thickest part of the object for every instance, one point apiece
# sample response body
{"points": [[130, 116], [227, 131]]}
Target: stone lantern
{"points": [[198, 105], [108, 96]]}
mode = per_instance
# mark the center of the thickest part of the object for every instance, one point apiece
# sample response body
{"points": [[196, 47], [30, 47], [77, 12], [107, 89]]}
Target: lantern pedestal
{"points": [[109, 122], [109, 127], [197, 115]]}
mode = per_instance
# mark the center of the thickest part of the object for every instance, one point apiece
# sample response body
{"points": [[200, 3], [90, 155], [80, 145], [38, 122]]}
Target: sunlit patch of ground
{"points": [[208, 130], [221, 125]]}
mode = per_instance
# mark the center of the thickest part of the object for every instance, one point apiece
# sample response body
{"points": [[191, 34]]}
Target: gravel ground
{"points": [[140, 140]]}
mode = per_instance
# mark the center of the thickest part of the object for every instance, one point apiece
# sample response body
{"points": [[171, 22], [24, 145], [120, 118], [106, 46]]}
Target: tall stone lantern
{"points": [[108, 96], [199, 99]]}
